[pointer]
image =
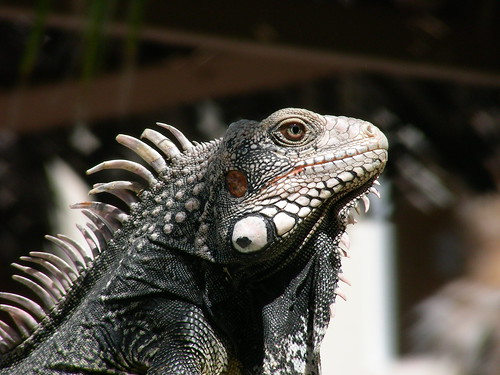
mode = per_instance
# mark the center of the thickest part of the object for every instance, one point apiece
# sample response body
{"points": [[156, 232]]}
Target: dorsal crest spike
{"points": [[179, 136], [127, 165], [125, 195], [162, 142], [44, 281], [149, 154], [58, 274], [23, 320], [58, 262], [106, 211], [8, 333], [28, 304], [44, 296], [103, 226], [109, 187], [81, 250], [94, 247], [71, 253]]}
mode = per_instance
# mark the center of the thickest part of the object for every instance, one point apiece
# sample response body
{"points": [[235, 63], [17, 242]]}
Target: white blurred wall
{"points": [[361, 335]]}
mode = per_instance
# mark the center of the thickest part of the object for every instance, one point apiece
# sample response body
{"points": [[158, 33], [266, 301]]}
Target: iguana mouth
{"points": [[352, 198], [344, 205], [325, 159], [341, 207]]}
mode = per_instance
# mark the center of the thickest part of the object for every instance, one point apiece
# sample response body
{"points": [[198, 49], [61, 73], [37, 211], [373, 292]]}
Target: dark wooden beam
{"points": [[253, 46], [367, 38], [175, 82]]}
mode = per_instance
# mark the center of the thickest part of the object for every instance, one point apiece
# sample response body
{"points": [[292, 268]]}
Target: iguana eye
{"points": [[293, 131]]}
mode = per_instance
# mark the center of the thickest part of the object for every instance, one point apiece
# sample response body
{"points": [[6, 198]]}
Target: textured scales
{"points": [[227, 261]]}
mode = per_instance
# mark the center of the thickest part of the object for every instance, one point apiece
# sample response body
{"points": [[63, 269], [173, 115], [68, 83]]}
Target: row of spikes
{"points": [[59, 275], [344, 242]]}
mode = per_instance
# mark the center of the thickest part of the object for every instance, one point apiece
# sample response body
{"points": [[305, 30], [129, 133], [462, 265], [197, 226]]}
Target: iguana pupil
{"points": [[293, 131]]}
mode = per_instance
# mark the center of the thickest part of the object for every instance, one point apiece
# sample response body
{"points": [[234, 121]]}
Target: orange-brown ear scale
{"points": [[237, 183]]}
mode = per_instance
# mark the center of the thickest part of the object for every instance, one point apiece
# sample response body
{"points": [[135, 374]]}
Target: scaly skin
{"points": [[227, 263]]}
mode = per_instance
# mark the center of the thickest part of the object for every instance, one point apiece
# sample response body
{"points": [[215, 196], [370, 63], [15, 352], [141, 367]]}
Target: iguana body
{"points": [[227, 262]]}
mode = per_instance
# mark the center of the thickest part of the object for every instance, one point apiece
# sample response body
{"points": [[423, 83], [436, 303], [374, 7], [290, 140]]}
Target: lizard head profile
{"points": [[279, 177]]}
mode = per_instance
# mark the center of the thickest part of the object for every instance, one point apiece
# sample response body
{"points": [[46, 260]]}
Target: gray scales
{"points": [[226, 262]]}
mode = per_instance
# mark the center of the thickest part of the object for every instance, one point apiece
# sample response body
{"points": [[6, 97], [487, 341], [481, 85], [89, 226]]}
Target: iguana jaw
{"points": [[298, 203], [262, 267]]}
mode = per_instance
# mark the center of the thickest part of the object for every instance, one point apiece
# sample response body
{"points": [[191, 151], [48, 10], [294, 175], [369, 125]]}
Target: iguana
{"points": [[226, 262]]}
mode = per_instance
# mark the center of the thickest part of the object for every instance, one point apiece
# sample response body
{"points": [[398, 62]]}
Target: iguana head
{"points": [[272, 182]]}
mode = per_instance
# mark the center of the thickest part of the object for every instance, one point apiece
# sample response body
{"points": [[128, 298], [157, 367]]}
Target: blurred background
{"points": [[425, 261]]}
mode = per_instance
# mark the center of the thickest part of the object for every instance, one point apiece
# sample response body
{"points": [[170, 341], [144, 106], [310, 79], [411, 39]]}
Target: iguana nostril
{"points": [[370, 130]]}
